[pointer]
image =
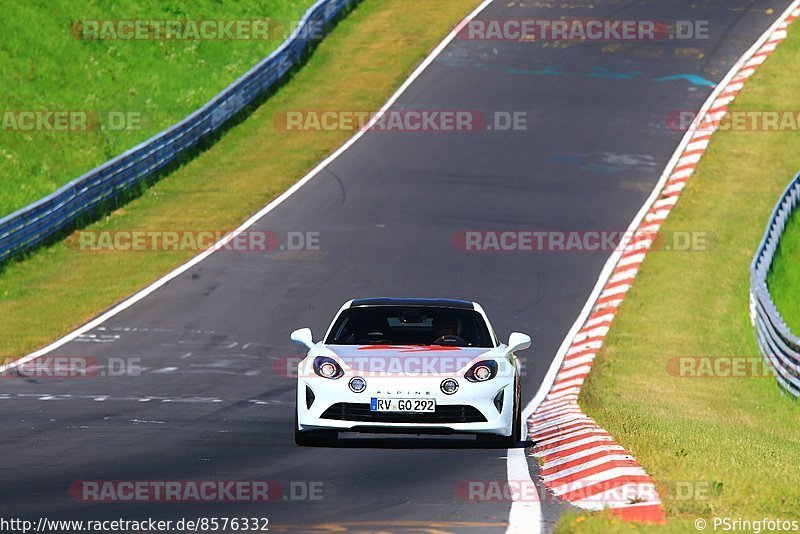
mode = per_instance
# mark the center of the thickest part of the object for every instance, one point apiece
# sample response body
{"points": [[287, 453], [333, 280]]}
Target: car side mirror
{"points": [[518, 341], [303, 337]]}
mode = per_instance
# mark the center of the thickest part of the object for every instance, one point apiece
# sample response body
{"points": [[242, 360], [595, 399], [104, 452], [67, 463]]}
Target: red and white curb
{"points": [[581, 462]]}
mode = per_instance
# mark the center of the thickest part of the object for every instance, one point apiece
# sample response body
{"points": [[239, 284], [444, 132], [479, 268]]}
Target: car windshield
{"points": [[410, 325]]}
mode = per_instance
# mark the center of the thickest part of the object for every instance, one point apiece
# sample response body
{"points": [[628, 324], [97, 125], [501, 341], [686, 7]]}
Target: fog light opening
{"points": [[357, 384], [309, 397], [449, 386], [498, 400]]}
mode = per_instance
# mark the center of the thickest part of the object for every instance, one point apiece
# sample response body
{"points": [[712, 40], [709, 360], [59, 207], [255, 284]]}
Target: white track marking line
{"points": [[525, 515], [142, 294], [528, 514], [522, 513], [614, 260]]}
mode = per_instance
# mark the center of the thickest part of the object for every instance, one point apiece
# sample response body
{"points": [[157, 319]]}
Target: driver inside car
{"points": [[443, 327]]}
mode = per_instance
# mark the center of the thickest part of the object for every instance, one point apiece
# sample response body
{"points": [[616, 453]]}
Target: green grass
{"points": [[739, 436], [357, 67], [784, 278], [44, 67]]}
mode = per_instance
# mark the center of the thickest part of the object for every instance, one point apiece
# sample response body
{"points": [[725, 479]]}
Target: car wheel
{"points": [[516, 429], [517, 434], [313, 438], [508, 442]]}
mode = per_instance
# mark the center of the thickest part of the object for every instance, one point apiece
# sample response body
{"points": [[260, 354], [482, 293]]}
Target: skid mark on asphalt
{"points": [[707, 5], [634, 185], [596, 72], [650, 52], [131, 398], [608, 74], [217, 353], [607, 162]]}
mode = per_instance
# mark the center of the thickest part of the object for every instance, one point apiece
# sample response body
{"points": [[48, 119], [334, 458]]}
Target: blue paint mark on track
{"points": [[693, 79], [608, 74]]}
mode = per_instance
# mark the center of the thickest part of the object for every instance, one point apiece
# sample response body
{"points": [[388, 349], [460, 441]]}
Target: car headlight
{"points": [[482, 371], [327, 368]]}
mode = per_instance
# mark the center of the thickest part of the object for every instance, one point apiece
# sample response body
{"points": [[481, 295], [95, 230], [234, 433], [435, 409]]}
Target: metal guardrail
{"points": [[779, 346], [60, 210]]}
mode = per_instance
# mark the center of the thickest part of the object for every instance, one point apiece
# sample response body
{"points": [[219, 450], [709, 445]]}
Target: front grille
{"points": [[349, 411]]}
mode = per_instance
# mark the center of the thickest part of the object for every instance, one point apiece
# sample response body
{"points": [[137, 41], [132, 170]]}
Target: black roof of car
{"points": [[437, 303]]}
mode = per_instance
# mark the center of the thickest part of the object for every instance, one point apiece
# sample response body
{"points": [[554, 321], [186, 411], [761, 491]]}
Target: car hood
{"points": [[406, 359]]}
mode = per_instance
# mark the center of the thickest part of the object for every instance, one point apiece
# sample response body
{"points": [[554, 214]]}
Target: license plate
{"points": [[402, 405]]}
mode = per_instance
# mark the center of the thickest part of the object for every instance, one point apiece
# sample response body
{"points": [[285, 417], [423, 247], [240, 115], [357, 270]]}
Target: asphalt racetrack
{"points": [[214, 402]]}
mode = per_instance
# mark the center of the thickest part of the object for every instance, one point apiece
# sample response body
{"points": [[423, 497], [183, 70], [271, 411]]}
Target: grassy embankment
{"points": [[784, 279], [357, 67], [717, 447], [132, 88]]}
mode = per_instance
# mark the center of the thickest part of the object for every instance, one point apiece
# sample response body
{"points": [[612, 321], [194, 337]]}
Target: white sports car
{"points": [[418, 366]]}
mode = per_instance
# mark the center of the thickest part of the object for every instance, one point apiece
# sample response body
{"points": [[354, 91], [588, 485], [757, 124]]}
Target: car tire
{"points": [[516, 430], [313, 438], [508, 442]]}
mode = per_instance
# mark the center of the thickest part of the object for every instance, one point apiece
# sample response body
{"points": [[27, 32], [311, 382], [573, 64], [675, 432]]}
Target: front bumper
{"points": [[470, 410]]}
